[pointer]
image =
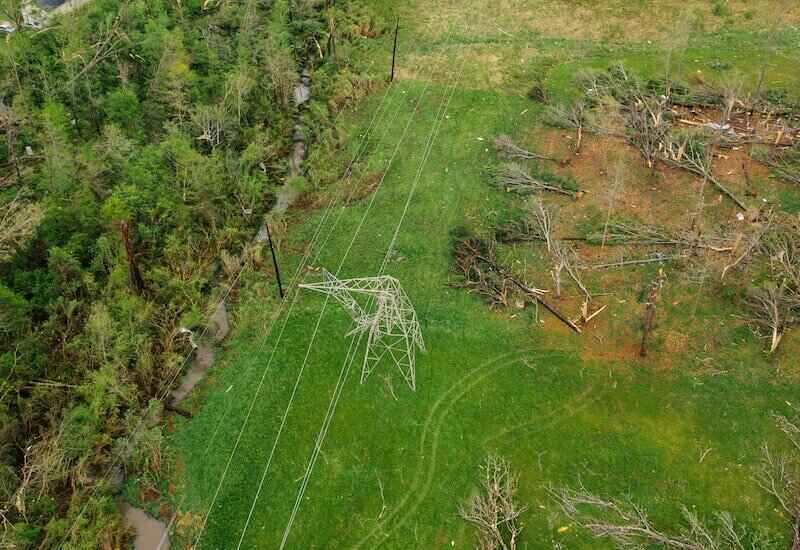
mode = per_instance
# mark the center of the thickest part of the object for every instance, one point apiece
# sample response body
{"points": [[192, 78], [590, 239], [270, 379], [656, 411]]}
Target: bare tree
{"points": [[494, 511], [753, 244], [649, 125], [18, 221], [544, 219], [565, 258], [210, 123], [569, 116], [694, 155], [778, 476], [785, 163], [107, 45], [634, 233], [476, 262], [614, 189]]}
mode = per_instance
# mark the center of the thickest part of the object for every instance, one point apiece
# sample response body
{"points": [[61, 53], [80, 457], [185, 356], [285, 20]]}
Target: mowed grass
{"points": [[392, 471]]}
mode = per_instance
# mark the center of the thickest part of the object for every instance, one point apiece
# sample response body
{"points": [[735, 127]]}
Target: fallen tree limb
{"points": [[507, 148], [625, 263], [539, 298]]}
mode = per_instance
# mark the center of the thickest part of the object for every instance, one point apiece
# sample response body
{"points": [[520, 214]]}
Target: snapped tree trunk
{"points": [[137, 282], [650, 310]]}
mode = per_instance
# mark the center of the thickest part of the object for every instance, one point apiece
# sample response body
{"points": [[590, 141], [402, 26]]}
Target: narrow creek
{"points": [[151, 533]]}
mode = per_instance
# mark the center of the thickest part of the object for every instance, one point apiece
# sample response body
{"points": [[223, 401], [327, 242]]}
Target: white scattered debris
{"points": [[717, 127], [740, 216], [184, 330]]}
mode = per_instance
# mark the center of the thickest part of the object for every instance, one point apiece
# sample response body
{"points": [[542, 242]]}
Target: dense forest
{"points": [[143, 141]]}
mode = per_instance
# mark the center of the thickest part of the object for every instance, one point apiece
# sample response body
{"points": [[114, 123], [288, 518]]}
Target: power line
{"points": [[351, 356], [233, 452], [341, 263], [166, 386]]}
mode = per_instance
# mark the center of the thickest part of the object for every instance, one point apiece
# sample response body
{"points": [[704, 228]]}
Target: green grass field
{"points": [[392, 471]]}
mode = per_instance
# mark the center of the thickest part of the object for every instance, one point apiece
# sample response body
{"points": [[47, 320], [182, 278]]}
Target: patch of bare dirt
{"points": [[737, 167], [662, 196]]}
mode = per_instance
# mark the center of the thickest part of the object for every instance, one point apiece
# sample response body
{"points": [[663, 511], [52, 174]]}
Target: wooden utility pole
{"points": [[274, 260], [650, 309], [394, 49], [137, 282]]}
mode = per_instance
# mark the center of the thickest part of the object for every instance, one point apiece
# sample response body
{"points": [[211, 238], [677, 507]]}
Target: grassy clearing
{"points": [[557, 406]]}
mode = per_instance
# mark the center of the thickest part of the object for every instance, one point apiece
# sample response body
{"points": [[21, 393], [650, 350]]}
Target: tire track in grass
{"points": [[460, 388], [575, 405], [448, 401]]}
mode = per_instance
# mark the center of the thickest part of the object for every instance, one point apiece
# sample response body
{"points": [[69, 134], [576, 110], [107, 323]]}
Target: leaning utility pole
{"points": [[394, 49], [274, 260]]}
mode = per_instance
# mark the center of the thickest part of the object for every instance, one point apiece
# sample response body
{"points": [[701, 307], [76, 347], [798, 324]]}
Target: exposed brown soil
{"points": [[665, 196], [662, 196]]}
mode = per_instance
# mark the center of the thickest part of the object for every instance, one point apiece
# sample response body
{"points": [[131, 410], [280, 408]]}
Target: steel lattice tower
{"points": [[388, 319]]}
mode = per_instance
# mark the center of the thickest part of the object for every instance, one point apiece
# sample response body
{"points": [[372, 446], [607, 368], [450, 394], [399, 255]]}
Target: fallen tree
{"points": [[476, 263], [634, 233], [515, 178], [506, 147], [628, 525], [775, 306]]}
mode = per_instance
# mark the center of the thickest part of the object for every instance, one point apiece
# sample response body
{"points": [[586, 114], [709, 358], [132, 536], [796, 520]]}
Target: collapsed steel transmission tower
{"points": [[388, 319]]}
